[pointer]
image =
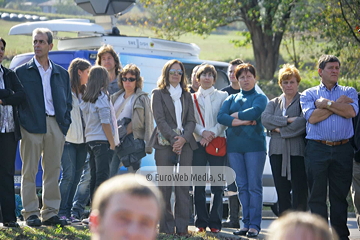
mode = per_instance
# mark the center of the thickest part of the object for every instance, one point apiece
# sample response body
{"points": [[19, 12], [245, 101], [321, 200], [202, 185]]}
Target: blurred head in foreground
{"points": [[125, 207], [300, 226]]}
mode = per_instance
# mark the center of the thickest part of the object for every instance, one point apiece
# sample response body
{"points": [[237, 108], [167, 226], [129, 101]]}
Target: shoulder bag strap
{"points": [[122, 106], [198, 108]]}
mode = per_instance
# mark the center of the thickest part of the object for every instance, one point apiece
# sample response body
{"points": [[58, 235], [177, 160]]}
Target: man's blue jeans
{"points": [[82, 194], [249, 168], [72, 164]]}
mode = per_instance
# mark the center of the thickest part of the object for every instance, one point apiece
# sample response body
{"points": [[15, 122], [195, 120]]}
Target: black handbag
{"points": [[131, 150]]}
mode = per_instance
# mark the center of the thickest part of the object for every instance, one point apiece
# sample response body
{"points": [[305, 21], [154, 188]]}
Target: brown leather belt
{"points": [[330, 143]]}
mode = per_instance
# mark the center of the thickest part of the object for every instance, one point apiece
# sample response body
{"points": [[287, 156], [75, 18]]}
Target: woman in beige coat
{"points": [[133, 103], [173, 111]]}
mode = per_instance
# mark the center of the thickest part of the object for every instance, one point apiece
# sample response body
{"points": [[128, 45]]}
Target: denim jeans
{"points": [[72, 164], [82, 194], [100, 158], [249, 168]]}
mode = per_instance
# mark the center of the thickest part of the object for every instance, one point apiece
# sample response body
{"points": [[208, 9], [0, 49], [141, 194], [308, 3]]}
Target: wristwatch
{"points": [[329, 103]]}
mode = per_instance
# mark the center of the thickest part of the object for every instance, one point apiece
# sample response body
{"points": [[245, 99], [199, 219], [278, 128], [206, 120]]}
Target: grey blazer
{"points": [[164, 114], [291, 139]]}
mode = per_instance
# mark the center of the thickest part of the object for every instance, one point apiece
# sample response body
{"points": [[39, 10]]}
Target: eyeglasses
{"points": [[173, 71], [209, 75], [124, 79]]}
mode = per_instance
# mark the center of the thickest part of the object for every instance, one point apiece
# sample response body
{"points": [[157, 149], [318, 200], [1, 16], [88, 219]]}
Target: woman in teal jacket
{"points": [[246, 149]]}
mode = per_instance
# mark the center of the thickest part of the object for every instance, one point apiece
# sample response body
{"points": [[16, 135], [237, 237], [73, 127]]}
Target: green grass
{"points": [[14, 44], [83, 233], [17, 44], [68, 233], [217, 46]]}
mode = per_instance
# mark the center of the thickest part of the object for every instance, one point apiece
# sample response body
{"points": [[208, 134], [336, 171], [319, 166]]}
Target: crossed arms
{"points": [[340, 107]]}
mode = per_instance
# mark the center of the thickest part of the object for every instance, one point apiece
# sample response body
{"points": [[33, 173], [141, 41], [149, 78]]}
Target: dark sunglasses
{"points": [[124, 79], [173, 71]]}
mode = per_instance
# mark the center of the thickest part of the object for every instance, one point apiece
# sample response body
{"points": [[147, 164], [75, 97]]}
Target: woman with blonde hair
{"points": [[284, 119], [173, 140], [133, 104]]}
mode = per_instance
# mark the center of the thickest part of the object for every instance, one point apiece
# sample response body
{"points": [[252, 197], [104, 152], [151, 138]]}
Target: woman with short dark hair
{"points": [[246, 146]]}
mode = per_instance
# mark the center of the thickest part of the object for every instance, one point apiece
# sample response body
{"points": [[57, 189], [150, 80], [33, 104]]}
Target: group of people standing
{"points": [[67, 117], [64, 116], [310, 149]]}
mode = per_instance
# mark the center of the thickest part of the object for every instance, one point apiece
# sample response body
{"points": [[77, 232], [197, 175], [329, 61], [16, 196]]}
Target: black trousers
{"points": [[204, 218], [297, 186], [7, 170], [100, 158], [330, 166]]}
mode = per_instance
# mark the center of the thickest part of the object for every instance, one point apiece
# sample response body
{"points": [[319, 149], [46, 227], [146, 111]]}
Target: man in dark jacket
{"points": [[44, 120], [11, 95]]}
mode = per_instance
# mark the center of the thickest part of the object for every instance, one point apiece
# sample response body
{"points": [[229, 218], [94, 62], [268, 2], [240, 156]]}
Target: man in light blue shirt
{"points": [[328, 109]]}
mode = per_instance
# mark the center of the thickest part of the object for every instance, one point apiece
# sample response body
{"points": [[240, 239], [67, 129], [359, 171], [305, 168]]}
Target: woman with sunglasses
{"points": [[173, 141], [132, 103]]}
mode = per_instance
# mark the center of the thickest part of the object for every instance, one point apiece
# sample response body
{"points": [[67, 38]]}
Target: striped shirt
{"points": [[335, 127]]}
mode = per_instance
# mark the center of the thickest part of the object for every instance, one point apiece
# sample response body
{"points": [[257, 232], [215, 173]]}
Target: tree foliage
{"points": [[326, 27], [265, 20]]}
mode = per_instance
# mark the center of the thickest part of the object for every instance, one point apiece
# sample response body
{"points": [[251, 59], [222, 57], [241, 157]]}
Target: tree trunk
{"points": [[266, 50]]}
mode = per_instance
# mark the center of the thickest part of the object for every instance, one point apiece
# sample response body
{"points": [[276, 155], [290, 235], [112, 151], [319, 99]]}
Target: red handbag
{"points": [[217, 146]]}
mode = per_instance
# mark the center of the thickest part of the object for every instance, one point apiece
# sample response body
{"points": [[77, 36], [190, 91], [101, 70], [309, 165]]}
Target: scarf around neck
{"points": [[175, 94], [206, 95]]}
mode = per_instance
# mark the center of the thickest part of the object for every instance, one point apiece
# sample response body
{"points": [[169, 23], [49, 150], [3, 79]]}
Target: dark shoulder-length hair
{"points": [[164, 81], [98, 82], [134, 70], [109, 49], [76, 65]]}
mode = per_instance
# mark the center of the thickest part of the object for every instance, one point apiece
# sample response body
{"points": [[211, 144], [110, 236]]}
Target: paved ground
{"points": [[227, 232]]}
